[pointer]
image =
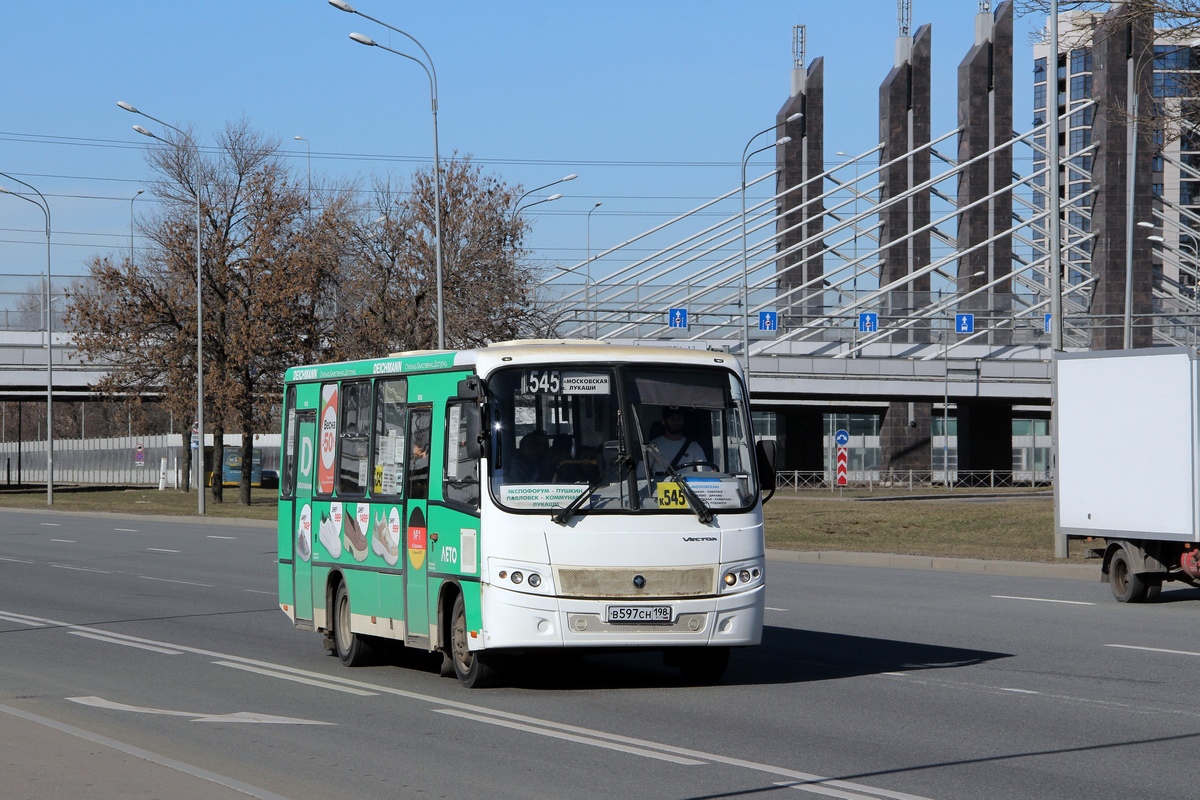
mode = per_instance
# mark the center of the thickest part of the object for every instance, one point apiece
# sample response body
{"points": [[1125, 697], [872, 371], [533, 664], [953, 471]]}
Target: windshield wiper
{"points": [[563, 515], [703, 512]]}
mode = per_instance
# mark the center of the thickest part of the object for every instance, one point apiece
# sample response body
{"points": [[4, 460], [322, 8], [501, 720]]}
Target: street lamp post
{"points": [[135, 197], [308, 147], [745, 268], [45, 207], [431, 72], [199, 300], [587, 291]]}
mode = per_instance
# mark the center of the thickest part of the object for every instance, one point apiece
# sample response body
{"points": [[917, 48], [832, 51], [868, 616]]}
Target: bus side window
{"points": [[388, 472], [288, 487], [461, 481], [419, 424], [355, 435]]}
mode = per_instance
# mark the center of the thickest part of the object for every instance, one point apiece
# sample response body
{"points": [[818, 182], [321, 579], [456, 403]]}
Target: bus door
{"points": [[416, 491], [304, 468]]}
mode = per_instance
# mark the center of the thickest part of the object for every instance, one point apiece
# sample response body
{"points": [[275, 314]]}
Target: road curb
{"points": [[190, 520], [978, 566]]}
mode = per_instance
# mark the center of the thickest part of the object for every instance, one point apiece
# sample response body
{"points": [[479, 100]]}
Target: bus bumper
{"points": [[515, 620]]}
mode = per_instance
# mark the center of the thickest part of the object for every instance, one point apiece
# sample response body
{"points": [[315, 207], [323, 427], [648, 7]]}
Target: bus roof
{"points": [[522, 351]]}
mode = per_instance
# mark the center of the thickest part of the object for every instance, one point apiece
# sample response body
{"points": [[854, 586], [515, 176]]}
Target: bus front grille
{"points": [[623, 582], [593, 623]]}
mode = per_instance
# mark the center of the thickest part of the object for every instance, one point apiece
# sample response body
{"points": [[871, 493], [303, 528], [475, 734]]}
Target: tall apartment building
{"points": [[1176, 191]]}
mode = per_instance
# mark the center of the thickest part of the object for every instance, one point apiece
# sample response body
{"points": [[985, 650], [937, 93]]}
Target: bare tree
{"points": [[263, 282], [387, 297]]}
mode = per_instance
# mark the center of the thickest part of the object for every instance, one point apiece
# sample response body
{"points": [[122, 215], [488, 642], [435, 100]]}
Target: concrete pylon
{"points": [[904, 109], [799, 162], [904, 113], [985, 115]]}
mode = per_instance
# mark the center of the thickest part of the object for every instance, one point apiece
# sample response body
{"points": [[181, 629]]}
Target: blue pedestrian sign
{"points": [[1046, 323], [964, 323], [677, 318], [842, 437], [768, 321], [868, 322]]}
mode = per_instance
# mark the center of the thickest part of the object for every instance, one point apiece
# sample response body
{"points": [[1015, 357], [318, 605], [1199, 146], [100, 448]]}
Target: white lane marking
{"points": [[50, 524], [257, 591], [81, 569], [210, 536], [1043, 600], [772, 608], [145, 755], [237, 716], [1154, 649], [161, 550], [895, 674], [296, 678], [16, 560], [19, 620], [282, 671], [1018, 691], [64, 541], [637, 751], [172, 580], [823, 789], [127, 530], [111, 640]]}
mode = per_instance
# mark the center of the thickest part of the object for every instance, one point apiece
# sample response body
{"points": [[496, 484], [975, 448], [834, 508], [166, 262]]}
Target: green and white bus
{"points": [[525, 496]]}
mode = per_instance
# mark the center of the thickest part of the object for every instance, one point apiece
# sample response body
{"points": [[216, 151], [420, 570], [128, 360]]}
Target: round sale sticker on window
{"points": [[325, 469]]}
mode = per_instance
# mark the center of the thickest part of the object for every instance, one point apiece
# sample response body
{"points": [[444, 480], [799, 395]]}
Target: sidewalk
{"points": [[46, 760]]}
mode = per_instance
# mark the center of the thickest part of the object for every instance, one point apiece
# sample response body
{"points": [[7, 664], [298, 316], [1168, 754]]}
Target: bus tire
{"points": [[475, 670], [1127, 585], [352, 648], [702, 665]]}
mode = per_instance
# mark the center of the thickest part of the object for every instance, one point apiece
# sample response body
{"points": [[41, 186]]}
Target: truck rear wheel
{"points": [[1127, 585]]}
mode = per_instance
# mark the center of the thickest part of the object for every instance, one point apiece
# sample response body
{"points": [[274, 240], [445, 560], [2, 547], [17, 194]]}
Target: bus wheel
{"points": [[353, 649], [702, 665], [474, 669]]}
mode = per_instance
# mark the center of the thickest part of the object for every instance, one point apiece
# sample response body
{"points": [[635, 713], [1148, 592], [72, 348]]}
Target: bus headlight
{"points": [[741, 577], [525, 577]]}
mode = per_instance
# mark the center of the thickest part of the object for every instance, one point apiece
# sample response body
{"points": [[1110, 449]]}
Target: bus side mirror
{"points": [[473, 421], [765, 450], [470, 388]]}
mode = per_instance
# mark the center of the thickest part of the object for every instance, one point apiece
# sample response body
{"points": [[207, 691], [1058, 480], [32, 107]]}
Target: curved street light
{"points": [[431, 72], [135, 197], [587, 301], [308, 147], [45, 207], [745, 268], [199, 298], [549, 199], [563, 179]]}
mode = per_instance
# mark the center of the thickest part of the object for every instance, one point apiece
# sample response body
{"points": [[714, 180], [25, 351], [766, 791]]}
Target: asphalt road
{"points": [[164, 638]]}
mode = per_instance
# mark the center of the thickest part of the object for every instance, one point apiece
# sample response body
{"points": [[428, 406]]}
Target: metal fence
{"points": [[912, 479], [114, 461]]}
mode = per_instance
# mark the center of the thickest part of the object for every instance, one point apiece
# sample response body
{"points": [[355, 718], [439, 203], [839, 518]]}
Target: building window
{"points": [[1156, 189], [1081, 87], [1039, 70], [1039, 96]]}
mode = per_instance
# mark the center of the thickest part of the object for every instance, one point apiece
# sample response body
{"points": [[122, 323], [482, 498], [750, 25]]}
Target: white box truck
{"points": [[1127, 437]]}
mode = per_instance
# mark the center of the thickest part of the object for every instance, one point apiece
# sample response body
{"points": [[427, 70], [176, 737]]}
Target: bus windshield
{"points": [[641, 438]]}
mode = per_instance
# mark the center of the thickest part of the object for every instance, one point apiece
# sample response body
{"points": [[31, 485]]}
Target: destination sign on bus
{"points": [[552, 381]]}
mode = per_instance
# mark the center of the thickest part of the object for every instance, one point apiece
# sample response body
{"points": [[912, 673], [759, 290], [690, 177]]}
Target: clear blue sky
{"points": [[650, 102]]}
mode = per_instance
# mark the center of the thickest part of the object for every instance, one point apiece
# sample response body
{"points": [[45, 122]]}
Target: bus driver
{"points": [[673, 447]]}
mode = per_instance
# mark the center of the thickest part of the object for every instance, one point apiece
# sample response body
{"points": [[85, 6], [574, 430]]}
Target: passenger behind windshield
{"points": [[531, 463]]}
